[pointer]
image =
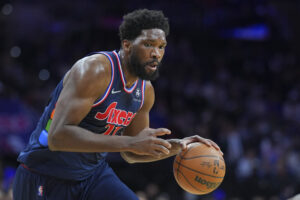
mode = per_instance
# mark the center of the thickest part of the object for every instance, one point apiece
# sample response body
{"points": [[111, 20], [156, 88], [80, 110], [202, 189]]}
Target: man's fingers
{"points": [[161, 131], [183, 145], [216, 146], [206, 142], [161, 149], [164, 143], [211, 143], [197, 138], [156, 154]]}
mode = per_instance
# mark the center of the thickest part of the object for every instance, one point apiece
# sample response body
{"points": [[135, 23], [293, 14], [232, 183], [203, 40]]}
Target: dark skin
{"points": [[87, 80]]}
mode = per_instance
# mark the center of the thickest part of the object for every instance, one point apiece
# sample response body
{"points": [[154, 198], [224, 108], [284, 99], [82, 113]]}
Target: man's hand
{"points": [[192, 139], [147, 142]]}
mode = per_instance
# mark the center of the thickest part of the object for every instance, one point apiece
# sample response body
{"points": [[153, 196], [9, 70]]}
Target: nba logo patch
{"points": [[40, 191]]}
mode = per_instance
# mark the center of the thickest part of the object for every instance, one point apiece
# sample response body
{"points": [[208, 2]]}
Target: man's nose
{"points": [[155, 53]]}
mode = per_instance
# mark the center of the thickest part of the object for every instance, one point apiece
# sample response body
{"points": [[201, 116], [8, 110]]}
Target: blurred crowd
{"points": [[242, 91]]}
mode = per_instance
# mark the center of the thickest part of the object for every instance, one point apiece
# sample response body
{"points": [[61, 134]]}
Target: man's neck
{"points": [[129, 77]]}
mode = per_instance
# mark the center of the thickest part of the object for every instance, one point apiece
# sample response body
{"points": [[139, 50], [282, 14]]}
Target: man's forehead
{"points": [[153, 34]]}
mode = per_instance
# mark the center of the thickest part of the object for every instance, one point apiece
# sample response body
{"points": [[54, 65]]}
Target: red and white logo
{"points": [[116, 118]]}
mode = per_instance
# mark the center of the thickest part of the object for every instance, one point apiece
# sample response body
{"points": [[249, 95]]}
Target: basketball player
{"points": [[101, 105]]}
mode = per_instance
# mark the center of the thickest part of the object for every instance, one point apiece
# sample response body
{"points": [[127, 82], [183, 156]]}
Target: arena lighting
{"points": [[44, 75], [255, 32], [15, 51], [7, 9]]}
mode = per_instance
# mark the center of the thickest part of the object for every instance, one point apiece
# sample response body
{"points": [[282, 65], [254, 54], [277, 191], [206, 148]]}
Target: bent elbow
{"points": [[127, 158], [130, 161], [51, 146], [53, 142]]}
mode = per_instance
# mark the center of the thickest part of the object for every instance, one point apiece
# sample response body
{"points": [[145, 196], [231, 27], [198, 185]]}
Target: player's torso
{"points": [[118, 105], [110, 114]]}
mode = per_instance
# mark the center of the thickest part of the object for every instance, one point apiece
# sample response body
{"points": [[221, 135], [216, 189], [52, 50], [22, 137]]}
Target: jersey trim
{"points": [[143, 93], [111, 81], [128, 90]]}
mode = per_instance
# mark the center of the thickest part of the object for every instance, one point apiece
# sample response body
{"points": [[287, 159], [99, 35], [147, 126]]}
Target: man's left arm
{"points": [[141, 122]]}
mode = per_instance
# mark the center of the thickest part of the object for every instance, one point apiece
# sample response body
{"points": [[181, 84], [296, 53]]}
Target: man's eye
{"points": [[162, 47], [147, 45]]}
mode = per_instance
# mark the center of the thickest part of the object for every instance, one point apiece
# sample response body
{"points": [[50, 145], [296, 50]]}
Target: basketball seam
{"points": [[201, 157], [191, 183], [180, 161], [198, 171]]}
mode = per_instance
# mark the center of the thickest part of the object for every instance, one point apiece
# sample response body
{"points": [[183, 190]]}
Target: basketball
{"points": [[200, 169]]}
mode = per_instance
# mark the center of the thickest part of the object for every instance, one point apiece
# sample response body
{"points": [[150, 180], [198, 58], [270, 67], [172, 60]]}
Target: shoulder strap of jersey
{"points": [[112, 61], [127, 90]]}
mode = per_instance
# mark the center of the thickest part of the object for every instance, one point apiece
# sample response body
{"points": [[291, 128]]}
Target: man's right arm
{"points": [[85, 82]]}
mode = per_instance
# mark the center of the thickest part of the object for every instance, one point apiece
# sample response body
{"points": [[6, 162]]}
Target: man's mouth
{"points": [[152, 66]]}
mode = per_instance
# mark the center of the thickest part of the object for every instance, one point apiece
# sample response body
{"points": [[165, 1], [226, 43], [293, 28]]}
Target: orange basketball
{"points": [[200, 169]]}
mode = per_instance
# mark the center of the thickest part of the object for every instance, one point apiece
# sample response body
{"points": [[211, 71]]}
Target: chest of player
{"points": [[115, 112], [119, 108]]}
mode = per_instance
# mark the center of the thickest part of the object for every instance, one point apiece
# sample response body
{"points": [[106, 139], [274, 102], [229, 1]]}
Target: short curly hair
{"points": [[138, 20]]}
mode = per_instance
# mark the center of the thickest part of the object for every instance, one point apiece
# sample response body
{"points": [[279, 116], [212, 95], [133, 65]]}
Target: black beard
{"points": [[139, 69]]}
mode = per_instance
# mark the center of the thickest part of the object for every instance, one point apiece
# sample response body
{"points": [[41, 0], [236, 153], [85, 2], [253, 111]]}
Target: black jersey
{"points": [[109, 115]]}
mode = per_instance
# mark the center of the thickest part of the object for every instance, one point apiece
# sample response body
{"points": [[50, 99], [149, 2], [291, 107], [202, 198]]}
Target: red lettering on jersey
{"points": [[116, 130], [115, 117], [122, 116], [102, 116], [129, 118], [110, 117], [129, 115], [110, 128]]}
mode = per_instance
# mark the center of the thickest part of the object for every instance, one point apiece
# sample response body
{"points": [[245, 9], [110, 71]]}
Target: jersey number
{"points": [[111, 129]]}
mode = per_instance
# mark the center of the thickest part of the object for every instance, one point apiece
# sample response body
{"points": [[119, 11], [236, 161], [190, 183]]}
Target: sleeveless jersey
{"points": [[109, 116]]}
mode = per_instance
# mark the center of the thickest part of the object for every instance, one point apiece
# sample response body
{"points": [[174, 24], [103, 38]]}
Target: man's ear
{"points": [[126, 45]]}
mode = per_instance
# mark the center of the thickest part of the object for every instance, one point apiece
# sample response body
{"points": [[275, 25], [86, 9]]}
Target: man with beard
{"points": [[101, 105]]}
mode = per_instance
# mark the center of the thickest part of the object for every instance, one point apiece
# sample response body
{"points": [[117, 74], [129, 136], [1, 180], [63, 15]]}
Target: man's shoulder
{"points": [[100, 56], [96, 60], [92, 65], [91, 69]]}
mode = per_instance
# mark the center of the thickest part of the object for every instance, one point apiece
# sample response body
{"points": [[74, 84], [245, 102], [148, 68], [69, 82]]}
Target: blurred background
{"points": [[230, 73]]}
